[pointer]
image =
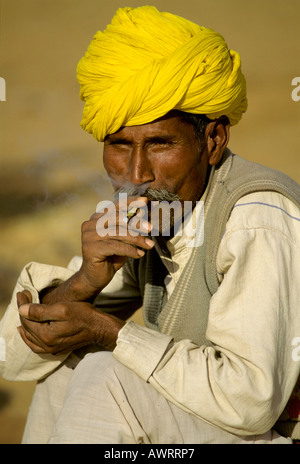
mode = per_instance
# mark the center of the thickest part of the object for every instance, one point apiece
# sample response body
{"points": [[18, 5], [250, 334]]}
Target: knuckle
{"points": [[33, 312], [85, 246], [50, 350], [63, 309], [36, 350], [95, 216], [48, 340], [85, 226]]}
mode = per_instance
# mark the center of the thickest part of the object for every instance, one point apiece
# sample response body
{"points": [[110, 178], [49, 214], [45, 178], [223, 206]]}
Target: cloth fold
{"points": [[132, 73]]}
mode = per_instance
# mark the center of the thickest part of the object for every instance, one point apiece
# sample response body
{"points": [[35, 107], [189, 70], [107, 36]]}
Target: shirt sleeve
{"points": [[17, 361], [244, 381]]}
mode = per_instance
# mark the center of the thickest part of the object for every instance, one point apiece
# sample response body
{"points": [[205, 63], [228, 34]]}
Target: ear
{"points": [[217, 139]]}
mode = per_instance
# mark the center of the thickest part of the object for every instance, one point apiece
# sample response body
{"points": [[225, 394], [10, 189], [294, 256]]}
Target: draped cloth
{"points": [[147, 63]]}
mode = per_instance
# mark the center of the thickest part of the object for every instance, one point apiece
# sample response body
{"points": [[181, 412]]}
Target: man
{"points": [[215, 361]]}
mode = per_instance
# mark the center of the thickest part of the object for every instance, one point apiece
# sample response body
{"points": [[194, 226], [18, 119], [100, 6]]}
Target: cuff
{"points": [[141, 349], [17, 361]]}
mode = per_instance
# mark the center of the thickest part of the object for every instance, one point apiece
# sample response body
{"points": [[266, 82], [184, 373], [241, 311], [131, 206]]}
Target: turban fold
{"points": [[147, 63]]}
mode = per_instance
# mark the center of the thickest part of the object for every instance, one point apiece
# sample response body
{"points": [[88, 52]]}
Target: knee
{"points": [[100, 371], [101, 361]]}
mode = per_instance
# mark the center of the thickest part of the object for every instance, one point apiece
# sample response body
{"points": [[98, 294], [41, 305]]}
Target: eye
{"points": [[118, 142], [164, 142]]}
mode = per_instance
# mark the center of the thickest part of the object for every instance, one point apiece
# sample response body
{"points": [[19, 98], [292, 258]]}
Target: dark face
{"points": [[164, 154]]}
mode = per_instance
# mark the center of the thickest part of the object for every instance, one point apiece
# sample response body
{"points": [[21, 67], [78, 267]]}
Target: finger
{"points": [[121, 248], [122, 206], [135, 232], [24, 309], [108, 243], [23, 297], [28, 294], [30, 342], [118, 221], [138, 226], [38, 345], [43, 335], [133, 228], [43, 313]]}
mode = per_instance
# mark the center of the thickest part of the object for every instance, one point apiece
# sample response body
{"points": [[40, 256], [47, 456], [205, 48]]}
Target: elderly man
{"points": [[215, 360]]}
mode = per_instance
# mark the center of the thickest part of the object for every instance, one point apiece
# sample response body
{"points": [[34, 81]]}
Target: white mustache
{"points": [[151, 194]]}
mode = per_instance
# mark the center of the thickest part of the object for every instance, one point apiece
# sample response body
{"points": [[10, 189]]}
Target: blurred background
{"points": [[51, 173]]}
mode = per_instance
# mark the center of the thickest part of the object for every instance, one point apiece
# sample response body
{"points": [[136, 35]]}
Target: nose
{"points": [[141, 170]]}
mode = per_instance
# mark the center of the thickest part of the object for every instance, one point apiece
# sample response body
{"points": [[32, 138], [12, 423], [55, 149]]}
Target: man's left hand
{"points": [[63, 327]]}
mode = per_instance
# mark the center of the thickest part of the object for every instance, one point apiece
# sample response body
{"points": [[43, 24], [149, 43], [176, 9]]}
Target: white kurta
{"points": [[254, 323]]}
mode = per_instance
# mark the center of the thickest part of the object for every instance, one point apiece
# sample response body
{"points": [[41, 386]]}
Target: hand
{"points": [[63, 327], [103, 256]]}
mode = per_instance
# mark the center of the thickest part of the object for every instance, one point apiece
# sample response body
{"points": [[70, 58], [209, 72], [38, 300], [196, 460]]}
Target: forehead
{"points": [[170, 125]]}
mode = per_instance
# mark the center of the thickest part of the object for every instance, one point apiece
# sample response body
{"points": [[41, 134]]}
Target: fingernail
{"points": [[146, 226], [149, 242], [140, 252], [24, 310]]}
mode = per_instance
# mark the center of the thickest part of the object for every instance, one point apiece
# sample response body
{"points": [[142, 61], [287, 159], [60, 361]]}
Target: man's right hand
{"points": [[103, 255]]}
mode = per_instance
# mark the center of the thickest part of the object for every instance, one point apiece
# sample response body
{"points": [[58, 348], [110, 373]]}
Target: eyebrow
{"points": [[114, 139]]}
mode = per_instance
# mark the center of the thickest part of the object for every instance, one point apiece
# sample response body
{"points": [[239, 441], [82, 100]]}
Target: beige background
{"points": [[51, 175]]}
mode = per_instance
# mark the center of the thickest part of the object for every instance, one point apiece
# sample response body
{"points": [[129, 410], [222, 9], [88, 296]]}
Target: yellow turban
{"points": [[147, 63]]}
